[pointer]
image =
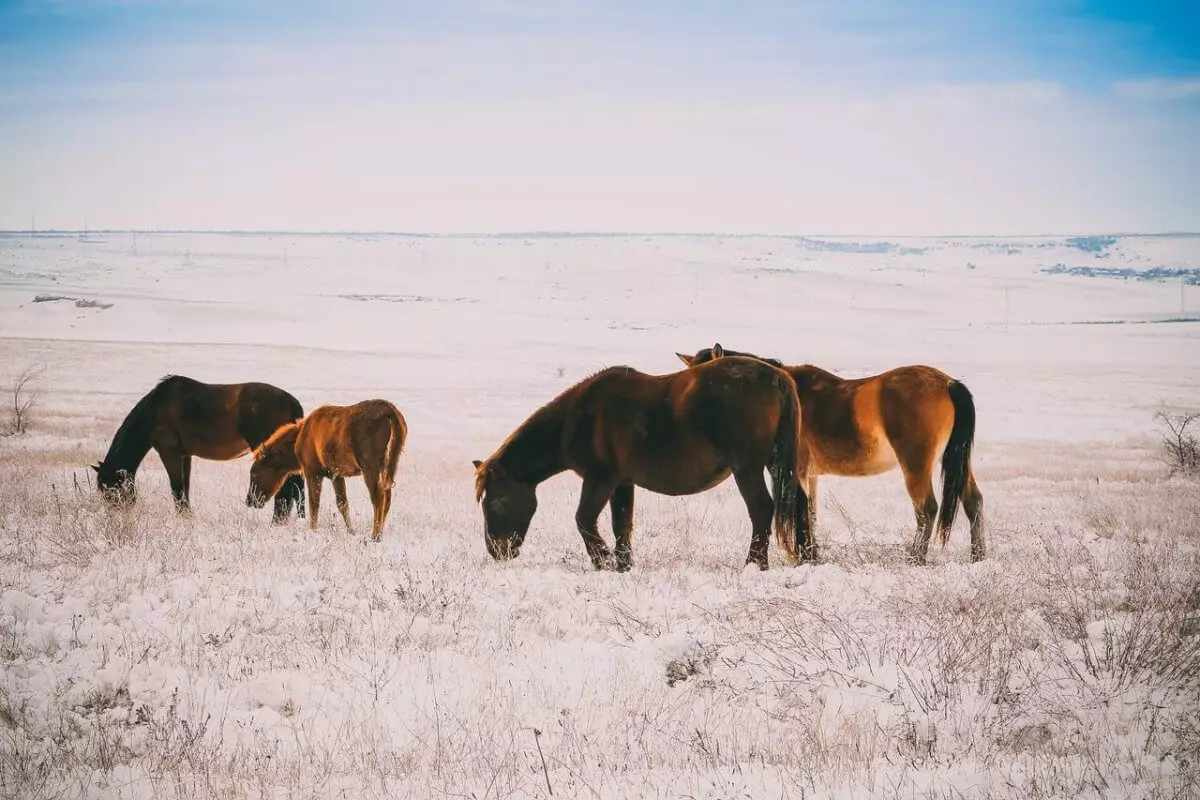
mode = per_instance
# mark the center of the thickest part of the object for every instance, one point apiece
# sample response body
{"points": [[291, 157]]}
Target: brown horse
{"points": [[335, 442], [904, 417], [676, 434], [180, 418]]}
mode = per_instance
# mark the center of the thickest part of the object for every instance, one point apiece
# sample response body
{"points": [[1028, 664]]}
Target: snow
{"points": [[146, 654]]}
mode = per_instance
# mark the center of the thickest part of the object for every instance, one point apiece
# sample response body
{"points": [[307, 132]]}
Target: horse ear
{"points": [[717, 350], [95, 468], [477, 463], [687, 360]]}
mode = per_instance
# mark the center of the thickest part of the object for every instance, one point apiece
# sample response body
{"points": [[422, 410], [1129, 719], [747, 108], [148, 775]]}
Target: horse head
{"points": [[508, 508], [116, 485]]}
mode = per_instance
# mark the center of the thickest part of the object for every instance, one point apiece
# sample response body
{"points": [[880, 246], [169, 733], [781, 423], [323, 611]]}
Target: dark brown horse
{"points": [[904, 417], [335, 442], [676, 434], [180, 418]]}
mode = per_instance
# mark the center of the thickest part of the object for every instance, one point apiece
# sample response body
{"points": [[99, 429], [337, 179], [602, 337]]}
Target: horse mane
{"points": [[481, 479], [274, 438], [131, 442], [774, 362], [532, 424]]}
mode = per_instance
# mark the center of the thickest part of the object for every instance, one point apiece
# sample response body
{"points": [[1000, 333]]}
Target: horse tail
{"points": [[397, 433], [791, 504], [956, 459]]}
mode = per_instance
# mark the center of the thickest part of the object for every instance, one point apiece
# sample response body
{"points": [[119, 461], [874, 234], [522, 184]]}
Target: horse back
{"points": [[200, 418], [676, 433], [346, 440]]}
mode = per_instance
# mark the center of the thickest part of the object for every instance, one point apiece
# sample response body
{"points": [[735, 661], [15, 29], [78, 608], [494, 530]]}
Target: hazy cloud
{"points": [[1158, 89]]}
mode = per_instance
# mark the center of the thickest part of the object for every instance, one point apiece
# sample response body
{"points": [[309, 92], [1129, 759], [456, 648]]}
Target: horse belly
{"points": [[877, 457], [873, 456], [343, 464], [676, 482], [219, 451]]}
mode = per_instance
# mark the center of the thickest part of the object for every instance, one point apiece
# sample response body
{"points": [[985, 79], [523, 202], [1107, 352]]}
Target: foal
{"points": [[335, 442]]}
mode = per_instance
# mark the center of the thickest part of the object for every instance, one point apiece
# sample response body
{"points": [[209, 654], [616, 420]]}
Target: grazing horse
{"points": [[180, 418], [676, 434], [335, 442], [904, 417]]}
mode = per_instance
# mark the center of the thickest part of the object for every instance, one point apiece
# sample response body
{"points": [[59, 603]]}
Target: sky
{"points": [[860, 117]]}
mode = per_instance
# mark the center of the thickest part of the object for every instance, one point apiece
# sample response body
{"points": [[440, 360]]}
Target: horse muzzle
{"points": [[118, 496], [502, 549]]}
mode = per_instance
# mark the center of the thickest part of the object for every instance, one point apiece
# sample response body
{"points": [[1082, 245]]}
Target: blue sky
{"points": [[865, 116]]}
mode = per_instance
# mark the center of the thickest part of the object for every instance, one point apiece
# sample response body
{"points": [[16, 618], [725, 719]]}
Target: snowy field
{"points": [[147, 655]]}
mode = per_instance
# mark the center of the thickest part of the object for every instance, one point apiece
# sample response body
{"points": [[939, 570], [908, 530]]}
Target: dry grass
{"points": [[148, 654]]}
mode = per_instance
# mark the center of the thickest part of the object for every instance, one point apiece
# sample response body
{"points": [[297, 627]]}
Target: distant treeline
{"points": [[1189, 276]]}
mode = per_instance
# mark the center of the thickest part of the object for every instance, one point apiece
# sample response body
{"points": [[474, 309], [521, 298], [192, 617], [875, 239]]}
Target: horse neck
{"points": [[534, 451], [132, 440]]}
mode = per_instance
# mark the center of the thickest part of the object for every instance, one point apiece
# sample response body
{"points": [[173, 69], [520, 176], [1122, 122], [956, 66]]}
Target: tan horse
{"points": [[335, 442], [676, 434], [904, 417]]}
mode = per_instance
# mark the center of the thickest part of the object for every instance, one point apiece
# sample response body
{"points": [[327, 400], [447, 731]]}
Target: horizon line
{"points": [[562, 234]]}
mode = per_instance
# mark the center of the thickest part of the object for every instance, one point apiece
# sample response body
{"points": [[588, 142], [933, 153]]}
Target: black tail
{"points": [[956, 460], [791, 504]]}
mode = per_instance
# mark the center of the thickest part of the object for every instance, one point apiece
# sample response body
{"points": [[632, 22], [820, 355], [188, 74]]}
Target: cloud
{"points": [[1023, 94], [1158, 89]]}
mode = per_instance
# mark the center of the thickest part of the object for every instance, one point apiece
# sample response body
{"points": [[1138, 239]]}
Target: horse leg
{"points": [[591, 501], [762, 508], [621, 506], [292, 494], [313, 483], [173, 462], [187, 481], [920, 490], [972, 500], [806, 545], [339, 493], [378, 504], [386, 507]]}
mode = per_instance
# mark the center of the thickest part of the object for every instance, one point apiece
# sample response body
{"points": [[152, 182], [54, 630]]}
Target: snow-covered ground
{"points": [[148, 655]]}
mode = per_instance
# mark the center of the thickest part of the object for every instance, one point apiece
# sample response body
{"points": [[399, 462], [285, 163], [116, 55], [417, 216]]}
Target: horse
{"points": [[334, 442], [904, 417], [180, 418], [676, 434]]}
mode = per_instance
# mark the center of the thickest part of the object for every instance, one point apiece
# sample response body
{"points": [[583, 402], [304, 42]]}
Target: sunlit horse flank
{"points": [[675, 434], [335, 442], [180, 418], [904, 417]]}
